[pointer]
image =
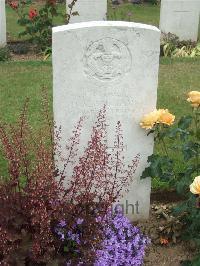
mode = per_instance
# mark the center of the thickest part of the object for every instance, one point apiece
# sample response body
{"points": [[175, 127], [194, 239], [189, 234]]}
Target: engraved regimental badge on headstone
{"points": [[107, 59]]}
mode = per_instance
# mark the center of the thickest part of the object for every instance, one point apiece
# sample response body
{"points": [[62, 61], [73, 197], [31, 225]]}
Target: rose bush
{"points": [[38, 21], [180, 142]]}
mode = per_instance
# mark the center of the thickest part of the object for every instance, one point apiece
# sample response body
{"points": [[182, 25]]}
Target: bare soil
{"points": [[172, 255], [165, 249], [18, 48], [26, 57]]}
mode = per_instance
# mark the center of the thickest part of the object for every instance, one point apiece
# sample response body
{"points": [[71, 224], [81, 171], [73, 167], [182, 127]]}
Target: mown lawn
{"points": [[13, 28], [147, 13], [176, 78], [19, 80]]}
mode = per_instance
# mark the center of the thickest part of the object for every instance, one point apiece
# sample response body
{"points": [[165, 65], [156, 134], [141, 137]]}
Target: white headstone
{"points": [[89, 10], [180, 17], [112, 63], [2, 23]]}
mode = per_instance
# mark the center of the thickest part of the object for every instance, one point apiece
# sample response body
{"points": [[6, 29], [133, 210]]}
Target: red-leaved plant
{"points": [[33, 198]]}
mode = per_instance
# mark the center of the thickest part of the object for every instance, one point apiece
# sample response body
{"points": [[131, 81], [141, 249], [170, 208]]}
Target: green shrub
{"points": [[184, 141], [38, 22], [172, 47], [4, 54]]}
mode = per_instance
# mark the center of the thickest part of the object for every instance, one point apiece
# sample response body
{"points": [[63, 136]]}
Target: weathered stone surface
{"points": [[89, 10], [2, 24], [180, 17], [112, 63]]}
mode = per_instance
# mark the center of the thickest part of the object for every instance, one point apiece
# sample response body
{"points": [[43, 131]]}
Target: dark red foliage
{"points": [[33, 198]]}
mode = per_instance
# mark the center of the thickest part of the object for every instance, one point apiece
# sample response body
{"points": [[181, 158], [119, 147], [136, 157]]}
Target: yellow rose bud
{"points": [[194, 98], [149, 120], [195, 186], [165, 117]]}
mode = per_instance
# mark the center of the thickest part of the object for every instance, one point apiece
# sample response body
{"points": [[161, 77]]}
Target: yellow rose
{"points": [[195, 186], [149, 120], [165, 117], [162, 116], [194, 98]]}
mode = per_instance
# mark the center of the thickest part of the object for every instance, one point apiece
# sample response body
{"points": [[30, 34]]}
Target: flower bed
{"points": [[42, 221]]}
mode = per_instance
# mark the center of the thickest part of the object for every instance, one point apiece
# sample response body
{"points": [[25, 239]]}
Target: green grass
{"points": [[147, 13], [13, 29], [176, 78], [19, 80]]}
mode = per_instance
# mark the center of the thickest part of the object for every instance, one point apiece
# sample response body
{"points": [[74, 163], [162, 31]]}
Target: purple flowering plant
{"points": [[122, 243], [47, 216], [70, 237]]}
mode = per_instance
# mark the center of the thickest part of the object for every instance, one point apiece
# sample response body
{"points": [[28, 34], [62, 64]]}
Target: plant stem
{"points": [[165, 147], [196, 120]]}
